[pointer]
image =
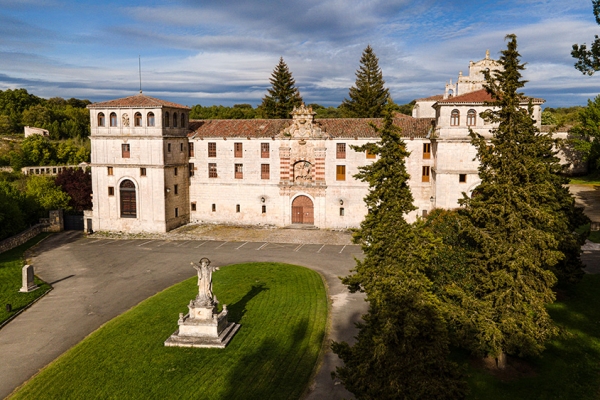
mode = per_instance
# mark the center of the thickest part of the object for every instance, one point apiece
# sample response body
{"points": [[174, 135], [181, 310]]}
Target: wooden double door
{"points": [[303, 211]]}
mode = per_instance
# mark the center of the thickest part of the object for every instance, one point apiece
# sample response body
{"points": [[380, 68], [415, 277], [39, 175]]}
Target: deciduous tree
{"points": [[283, 95], [368, 96], [588, 61], [77, 183], [402, 346]]}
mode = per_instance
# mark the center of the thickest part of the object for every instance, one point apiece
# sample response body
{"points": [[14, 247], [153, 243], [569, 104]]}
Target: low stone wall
{"points": [[21, 238]]}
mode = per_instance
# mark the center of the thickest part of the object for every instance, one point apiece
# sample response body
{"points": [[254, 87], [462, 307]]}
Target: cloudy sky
{"points": [[223, 52]]}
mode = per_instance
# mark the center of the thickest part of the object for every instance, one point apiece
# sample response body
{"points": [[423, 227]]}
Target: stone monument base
{"points": [[177, 340], [203, 327]]}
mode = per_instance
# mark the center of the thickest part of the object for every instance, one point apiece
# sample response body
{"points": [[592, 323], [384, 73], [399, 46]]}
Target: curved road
{"points": [[95, 280]]}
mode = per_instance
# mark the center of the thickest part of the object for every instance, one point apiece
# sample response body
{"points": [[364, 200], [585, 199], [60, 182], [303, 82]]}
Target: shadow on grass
{"points": [[278, 378], [238, 309]]}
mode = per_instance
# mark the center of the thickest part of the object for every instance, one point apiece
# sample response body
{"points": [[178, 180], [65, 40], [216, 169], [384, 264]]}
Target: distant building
{"points": [[51, 170], [30, 131], [153, 169]]}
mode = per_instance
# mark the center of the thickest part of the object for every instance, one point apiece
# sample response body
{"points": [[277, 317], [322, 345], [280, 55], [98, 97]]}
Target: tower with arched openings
{"points": [[140, 168]]}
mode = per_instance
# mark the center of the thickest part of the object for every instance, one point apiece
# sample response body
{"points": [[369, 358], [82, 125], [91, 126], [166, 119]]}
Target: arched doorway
{"points": [[303, 211], [128, 201]]}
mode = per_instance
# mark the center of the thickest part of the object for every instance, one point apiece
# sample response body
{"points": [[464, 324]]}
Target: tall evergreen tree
{"points": [[517, 220], [402, 346], [368, 97], [283, 95]]}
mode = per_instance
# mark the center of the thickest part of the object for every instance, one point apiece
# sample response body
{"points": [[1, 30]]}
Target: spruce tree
{"points": [[368, 97], [519, 219], [283, 95], [402, 346]]}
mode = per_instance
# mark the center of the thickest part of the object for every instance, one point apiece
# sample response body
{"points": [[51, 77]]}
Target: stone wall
{"points": [[17, 240]]}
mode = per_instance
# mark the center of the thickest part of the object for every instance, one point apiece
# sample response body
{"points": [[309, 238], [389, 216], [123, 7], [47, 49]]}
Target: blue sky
{"points": [[223, 52]]}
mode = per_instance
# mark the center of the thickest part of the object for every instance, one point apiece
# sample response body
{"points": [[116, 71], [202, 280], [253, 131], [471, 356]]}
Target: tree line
{"points": [[26, 199]]}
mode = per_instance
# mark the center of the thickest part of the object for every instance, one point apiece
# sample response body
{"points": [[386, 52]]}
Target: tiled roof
{"points": [[139, 100], [480, 96], [437, 97], [334, 127]]}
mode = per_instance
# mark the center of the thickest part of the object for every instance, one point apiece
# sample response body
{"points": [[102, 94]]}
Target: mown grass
{"points": [[282, 310], [11, 265], [590, 179], [570, 366]]}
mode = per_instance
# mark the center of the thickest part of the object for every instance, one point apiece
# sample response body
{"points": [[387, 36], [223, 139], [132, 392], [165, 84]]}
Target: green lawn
{"points": [[282, 310], [11, 264], [570, 366], [591, 179]]}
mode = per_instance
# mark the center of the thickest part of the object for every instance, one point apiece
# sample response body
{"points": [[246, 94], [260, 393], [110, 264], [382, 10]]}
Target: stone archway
{"points": [[303, 211]]}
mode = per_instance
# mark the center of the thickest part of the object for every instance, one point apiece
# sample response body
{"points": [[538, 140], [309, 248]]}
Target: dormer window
{"points": [[113, 119], [137, 119], [455, 118], [150, 119], [101, 119], [166, 119], [174, 120]]}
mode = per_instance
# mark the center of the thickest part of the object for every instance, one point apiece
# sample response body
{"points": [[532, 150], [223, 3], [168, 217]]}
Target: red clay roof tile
{"points": [[334, 127], [137, 101]]}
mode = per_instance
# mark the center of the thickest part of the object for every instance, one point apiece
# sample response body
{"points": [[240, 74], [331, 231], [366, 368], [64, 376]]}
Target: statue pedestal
{"points": [[203, 327]]}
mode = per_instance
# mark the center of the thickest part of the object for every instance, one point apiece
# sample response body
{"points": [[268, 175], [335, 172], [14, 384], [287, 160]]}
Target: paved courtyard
{"points": [[96, 279]]}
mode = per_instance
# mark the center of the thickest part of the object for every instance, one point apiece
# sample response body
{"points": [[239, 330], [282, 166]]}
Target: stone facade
{"points": [[274, 172]]}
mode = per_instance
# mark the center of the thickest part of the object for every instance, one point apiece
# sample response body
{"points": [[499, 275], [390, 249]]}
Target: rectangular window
{"points": [[340, 172], [214, 207], [194, 206], [369, 154], [181, 147], [425, 176], [176, 212], [238, 150], [191, 150], [175, 189], [212, 149], [341, 211], [264, 209], [426, 151], [265, 171], [340, 150], [175, 171], [111, 191], [265, 150], [424, 213], [142, 171], [191, 168], [239, 171], [109, 170], [212, 170], [462, 178], [237, 208], [168, 147]]}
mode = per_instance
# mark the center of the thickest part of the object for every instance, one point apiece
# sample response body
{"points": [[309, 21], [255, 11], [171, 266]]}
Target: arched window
{"points": [[471, 118], [101, 119], [455, 118], [113, 119], [174, 120], [128, 204], [182, 120], [137, 119], [150, 119], [166, 119]]}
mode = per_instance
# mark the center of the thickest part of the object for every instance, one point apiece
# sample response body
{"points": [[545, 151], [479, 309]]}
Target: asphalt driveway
{"points": [[96, 279]]}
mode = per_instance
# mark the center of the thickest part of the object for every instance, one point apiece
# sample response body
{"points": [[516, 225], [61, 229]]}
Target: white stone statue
{"points": [[205, 295]]}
